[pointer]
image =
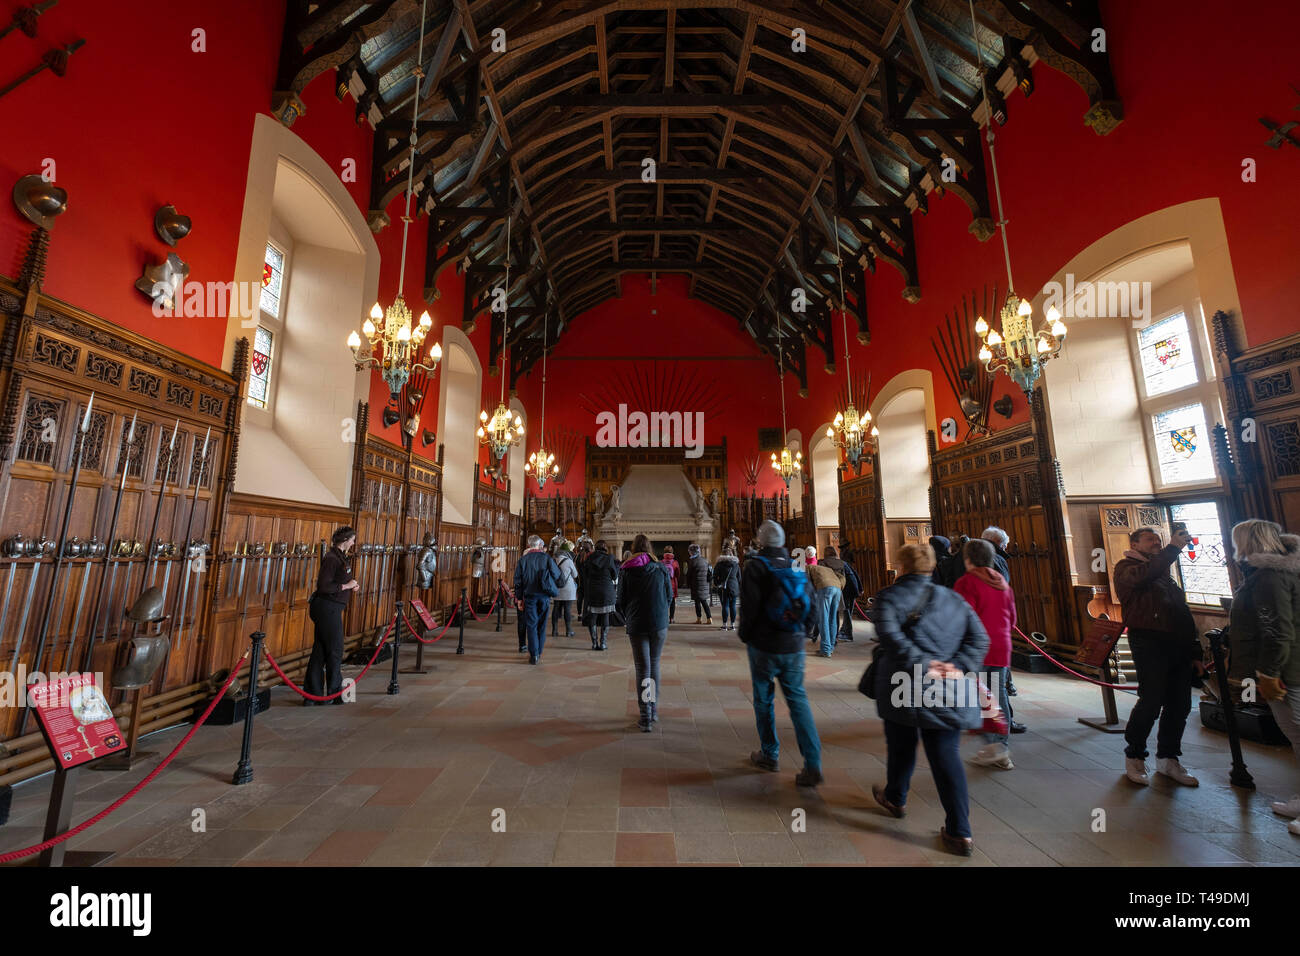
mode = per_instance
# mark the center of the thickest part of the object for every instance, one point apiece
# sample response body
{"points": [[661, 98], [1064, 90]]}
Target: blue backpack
{"points": [[787, 605]]}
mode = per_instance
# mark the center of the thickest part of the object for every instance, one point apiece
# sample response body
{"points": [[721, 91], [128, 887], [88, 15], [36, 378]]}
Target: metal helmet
{"points": [[148, 607]]}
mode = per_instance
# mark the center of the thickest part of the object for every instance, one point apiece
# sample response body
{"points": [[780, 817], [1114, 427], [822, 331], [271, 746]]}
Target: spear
{"points": [[58, 554], [108, 550]]}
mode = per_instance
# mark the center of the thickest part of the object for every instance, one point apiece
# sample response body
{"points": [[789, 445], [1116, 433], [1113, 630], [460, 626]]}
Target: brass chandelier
{"points": [[851, 432], [498, 432], [394, 345], [1019, 349], [787, 466], [541, 463]]}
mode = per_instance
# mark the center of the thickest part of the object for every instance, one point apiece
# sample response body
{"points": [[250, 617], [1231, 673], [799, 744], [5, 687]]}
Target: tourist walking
{"points": [[930, 641], [726, 578], [537, 580], [568, 587], [644, 594], [776, 604], [699, 575], [828, 586], [599, 590], [994, 603], [670, 564]]}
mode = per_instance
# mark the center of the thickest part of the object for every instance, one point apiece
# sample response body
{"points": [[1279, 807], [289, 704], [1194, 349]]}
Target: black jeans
{"points": [[646, 651], [559, 607], [325, 667], [702, 605], [942, 750], [1164, 670]]}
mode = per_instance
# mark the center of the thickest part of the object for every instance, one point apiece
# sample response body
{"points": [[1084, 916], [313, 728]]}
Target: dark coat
{"points": [[1002, 564], [948, 630], [599, 577], [536, 575], [644, 592], [698, 575], [1265, 623], [754, 627], [726, 575], [1149, 597], [335, 571]]}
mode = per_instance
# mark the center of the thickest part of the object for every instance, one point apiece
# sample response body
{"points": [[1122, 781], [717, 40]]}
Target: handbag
{"points": [[867, 682]]}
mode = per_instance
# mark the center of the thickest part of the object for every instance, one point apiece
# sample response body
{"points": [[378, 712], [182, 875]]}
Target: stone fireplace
{"points": [[659, 501]]}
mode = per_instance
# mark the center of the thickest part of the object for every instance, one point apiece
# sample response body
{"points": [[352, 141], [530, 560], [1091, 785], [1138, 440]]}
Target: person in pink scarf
{"points": [[994, 603]]}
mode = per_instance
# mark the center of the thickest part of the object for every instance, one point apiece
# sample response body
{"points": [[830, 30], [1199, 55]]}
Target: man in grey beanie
{"points": [[776, 602]]}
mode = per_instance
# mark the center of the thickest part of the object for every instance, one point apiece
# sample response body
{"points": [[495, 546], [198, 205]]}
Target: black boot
{"points": [[603, 645], [595, 641]]}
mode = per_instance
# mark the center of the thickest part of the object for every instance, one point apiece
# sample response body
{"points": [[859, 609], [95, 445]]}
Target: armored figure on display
{"points": [[732, 540], [478, 558], [585, 542], [426, 564]]}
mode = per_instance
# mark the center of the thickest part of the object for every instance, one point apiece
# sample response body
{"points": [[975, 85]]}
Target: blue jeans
{"points": [[728, 607], [942, 750], [828, 617], [764, 670], [998, 679], [535, 609], [647, 649]]}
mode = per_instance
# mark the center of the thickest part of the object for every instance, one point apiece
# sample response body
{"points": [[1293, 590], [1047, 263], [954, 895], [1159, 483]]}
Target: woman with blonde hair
{"points": [[1264, 629]]}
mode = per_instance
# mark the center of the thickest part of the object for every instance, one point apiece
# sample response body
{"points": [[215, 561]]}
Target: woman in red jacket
{"points": [[994, 603], [670, 562]]}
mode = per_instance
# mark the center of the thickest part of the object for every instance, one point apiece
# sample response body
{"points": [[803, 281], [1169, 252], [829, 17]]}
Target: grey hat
{"points": [[770, 535]]}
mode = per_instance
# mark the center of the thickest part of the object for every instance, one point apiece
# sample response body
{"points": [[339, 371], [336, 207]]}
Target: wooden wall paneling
{"points": [[862, 524]]}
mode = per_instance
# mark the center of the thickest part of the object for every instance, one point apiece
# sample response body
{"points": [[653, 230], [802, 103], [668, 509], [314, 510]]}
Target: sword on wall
{"points": [[157, 511], [185, 541], [58, 553]]}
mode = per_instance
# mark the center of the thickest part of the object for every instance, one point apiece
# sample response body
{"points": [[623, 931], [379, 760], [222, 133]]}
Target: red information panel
{"points": [[77, 722], [423, 611]]}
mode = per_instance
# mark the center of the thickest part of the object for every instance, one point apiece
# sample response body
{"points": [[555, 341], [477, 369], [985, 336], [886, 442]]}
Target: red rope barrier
{"points": [[486, 613], [414, 633], [356, 680], [55, 841], [1090, 680]]}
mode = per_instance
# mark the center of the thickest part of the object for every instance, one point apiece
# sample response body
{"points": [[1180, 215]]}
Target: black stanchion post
{"points": [[1240, 776], [244, 772], [501, 605], [393, 688], [460, 613]]}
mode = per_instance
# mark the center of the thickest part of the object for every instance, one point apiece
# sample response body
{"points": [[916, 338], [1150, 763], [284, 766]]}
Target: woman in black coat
{"points": [[334, 586], [599, 580], [645, 593], [931, 642], [726, 578]]}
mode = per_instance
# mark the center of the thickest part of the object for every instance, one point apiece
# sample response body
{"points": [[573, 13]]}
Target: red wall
{"points": [[718, 370], [140, 121]]}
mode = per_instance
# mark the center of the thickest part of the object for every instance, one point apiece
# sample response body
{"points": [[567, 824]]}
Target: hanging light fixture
{"points": [[851, 432], [541, 463], [394, 343], [787, 466], [1019, 349], [498, 432]]}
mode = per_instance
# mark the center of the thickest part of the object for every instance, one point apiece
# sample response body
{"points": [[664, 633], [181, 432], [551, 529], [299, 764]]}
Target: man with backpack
{"points": [[776, 605]]}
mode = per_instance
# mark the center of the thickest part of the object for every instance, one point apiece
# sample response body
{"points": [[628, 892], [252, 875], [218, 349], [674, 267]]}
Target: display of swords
{"points": [[956, 347]]}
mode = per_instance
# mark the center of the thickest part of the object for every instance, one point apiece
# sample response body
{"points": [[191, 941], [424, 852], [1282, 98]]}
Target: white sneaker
{"points": [[1293, 827], [994, 755], [1170, 767], [1291, 808], [1135, 768]]}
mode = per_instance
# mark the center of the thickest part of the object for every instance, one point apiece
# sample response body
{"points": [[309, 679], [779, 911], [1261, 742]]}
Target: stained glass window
{"points": [[272, 280], [259, 374], [1203, 563], [1166, 353], [1183, 444]]}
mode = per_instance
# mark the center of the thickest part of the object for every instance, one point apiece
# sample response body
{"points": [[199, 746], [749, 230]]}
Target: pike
{"points": [[25, 19], [76, 618], [108, 550], [44, 632], [373, 590], [27, 608], [185, 541], [150, 555]]}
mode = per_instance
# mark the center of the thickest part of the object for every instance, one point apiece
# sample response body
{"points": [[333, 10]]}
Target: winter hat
{"points": [[770, 535]]}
